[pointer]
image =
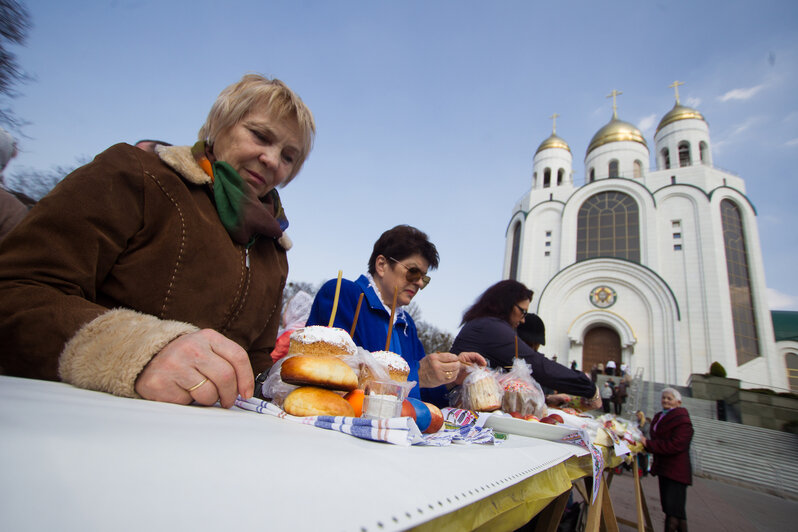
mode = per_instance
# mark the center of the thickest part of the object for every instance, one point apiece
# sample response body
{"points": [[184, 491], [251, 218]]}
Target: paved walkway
{"points": [[711, 505]]}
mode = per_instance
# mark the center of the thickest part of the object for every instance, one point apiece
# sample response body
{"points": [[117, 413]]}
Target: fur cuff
{"points": [[108, 353]]}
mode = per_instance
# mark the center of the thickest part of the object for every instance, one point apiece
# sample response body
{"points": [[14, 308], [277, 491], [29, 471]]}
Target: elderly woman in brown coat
{"points": [[160, 275]]}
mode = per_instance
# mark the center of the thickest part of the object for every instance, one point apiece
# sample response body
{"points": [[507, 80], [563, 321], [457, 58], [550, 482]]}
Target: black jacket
{"points": [[494, 339]]}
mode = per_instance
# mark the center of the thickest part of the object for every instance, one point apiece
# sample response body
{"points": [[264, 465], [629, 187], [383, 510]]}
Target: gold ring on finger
{"points": [[200, 383]]}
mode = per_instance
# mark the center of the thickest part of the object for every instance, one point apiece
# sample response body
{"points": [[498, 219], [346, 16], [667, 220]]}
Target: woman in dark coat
{"points": [[670, 434], [489, 328]]}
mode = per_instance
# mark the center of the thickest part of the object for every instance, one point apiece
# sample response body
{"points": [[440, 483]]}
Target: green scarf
{"points": [[243, 214]]}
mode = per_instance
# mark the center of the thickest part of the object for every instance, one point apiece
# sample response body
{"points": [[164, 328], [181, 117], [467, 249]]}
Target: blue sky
{"points": [[428, 112]]}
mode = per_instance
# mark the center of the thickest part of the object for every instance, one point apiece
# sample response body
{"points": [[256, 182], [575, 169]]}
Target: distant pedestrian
{"points": [[610, 367], [619, 398], [594, 373], [573, 364], [606, 397]]}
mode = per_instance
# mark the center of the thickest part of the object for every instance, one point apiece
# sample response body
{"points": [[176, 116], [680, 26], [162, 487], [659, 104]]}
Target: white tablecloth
{"points": [[72, 459]]}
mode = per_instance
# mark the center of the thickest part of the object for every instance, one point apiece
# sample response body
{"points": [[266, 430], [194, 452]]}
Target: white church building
{"points": [[656, 268]]}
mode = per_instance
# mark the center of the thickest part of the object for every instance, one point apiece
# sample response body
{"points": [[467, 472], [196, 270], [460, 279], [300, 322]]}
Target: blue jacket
{"points": [[372, 328]]}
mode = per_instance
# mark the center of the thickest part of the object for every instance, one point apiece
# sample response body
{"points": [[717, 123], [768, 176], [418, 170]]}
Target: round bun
{"points": [[324, 372], [312, 401], [317, 340]]}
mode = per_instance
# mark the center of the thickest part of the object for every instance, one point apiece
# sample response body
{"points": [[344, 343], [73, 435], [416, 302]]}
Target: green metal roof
{"points": [[785, 324]]}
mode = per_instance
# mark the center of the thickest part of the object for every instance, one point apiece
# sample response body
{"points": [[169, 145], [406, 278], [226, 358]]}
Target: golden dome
{"points": [[616, 131], [679, 112], [553, 142]]}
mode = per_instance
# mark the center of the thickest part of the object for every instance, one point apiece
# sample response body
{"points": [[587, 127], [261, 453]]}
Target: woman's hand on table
{"points": [[592, 403], [436, 369], [202, 366], [468, 358], [557, 399]]}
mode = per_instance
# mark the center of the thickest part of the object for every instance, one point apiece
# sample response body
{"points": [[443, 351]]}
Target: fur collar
{"points": [[180, 159]]}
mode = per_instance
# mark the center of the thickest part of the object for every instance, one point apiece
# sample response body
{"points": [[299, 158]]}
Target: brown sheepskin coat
{"points": [[124, 255]]}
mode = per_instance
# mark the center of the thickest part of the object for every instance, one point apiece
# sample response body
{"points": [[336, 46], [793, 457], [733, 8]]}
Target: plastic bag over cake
{"points": [[480, 392], [522, 393]]}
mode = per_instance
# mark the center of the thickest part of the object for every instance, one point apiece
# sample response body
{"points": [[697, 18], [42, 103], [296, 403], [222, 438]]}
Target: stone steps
{"points": [[750, 456]]}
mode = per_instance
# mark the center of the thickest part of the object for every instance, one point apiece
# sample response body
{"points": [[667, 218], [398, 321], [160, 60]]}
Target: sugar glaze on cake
{"points": [[306, 339], [394, 361]]}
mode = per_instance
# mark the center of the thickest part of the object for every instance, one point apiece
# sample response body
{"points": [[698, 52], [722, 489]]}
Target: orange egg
{"points": [[408, 410], [355, 398]]}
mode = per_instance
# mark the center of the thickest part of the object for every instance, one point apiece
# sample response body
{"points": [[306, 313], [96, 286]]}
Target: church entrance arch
{"points": [[601, 345]]}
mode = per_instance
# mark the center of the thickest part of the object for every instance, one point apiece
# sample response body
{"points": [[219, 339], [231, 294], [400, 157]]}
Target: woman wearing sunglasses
{"points": [[399, 262], [489, 328]]}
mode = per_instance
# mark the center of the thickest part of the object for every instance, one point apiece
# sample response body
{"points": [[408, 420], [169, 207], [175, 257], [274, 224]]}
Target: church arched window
{"points": [[614, 168], [608, 225], [560, 174], [703, 152], [547, 178], [534, 179], [666, 158], [516, 249], [746, 336], [638, 169], [684, 153], [592, 174]]}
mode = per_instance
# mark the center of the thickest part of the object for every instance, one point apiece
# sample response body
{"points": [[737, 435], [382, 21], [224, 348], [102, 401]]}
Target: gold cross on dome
{"points": [[675, 87], [554, 123], [613, 95]]}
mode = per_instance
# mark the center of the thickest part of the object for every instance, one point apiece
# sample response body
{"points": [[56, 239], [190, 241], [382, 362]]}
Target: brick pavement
{"points": [[711, 506]]}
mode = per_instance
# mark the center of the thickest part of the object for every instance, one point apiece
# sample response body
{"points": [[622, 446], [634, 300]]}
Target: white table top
{"points": [[72, 459]]}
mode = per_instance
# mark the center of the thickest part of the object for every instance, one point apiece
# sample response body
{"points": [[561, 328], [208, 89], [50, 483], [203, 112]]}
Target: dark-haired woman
{"points": [[489, 328], [400, 261]]}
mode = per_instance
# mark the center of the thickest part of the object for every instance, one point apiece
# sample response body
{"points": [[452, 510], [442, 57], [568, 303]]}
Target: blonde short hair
{"points": [[237, 100]]}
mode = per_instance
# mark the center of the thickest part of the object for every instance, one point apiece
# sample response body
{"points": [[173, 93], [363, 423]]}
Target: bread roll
{"points": [[325, 372], [312, 401]]}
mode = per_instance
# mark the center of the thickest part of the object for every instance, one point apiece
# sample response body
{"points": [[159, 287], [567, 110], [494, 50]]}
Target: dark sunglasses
{"points": [[414, 274]]}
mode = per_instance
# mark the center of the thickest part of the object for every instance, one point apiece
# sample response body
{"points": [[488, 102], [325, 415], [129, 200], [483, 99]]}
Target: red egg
{"points": [[408, 410], [437, 419]]}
